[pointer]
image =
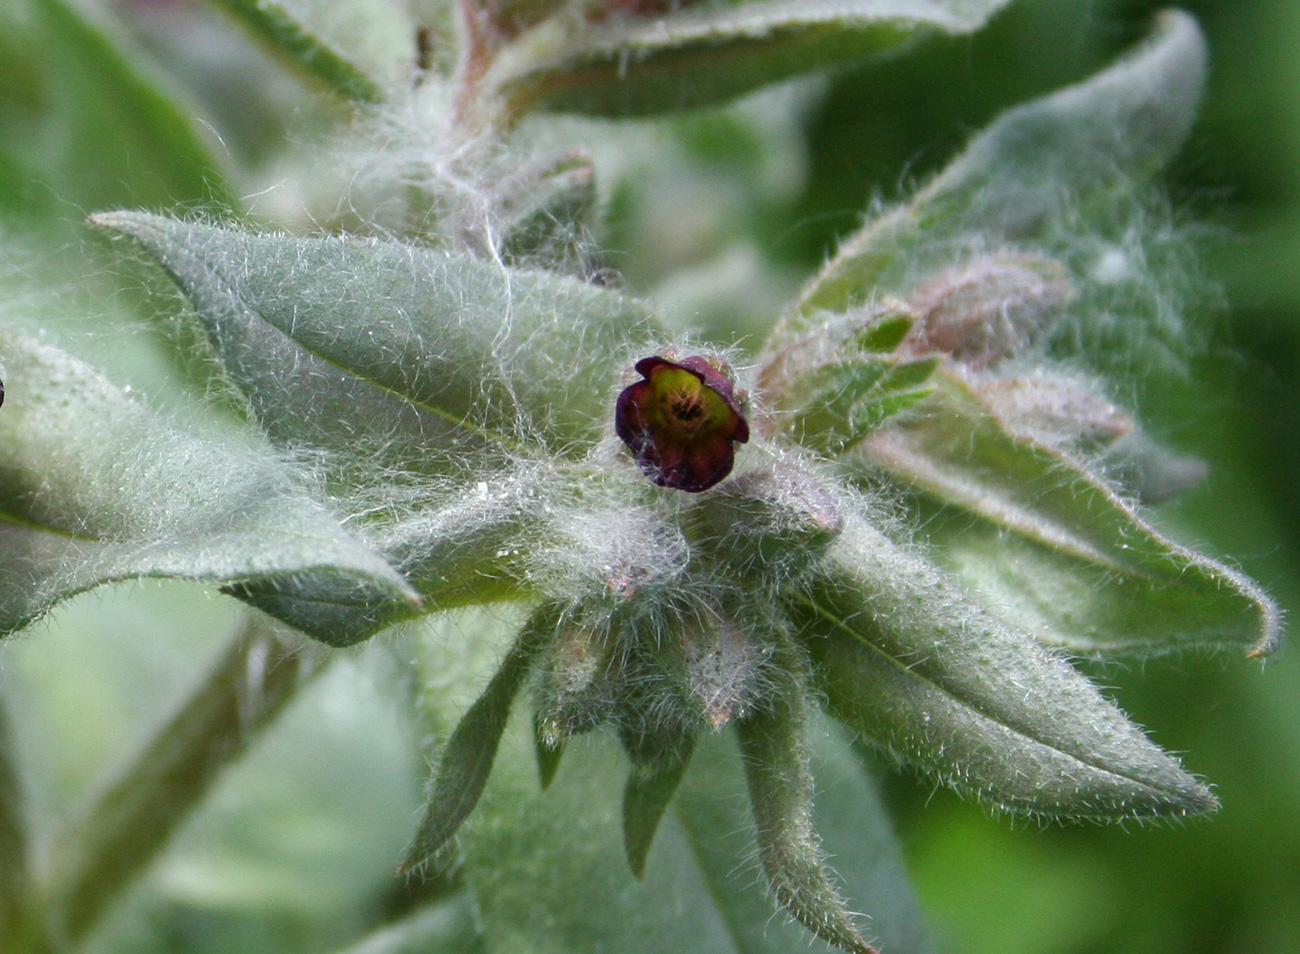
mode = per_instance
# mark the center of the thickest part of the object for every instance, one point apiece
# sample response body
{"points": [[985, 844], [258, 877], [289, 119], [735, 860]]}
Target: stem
{"points": [[129, 823], [21, 926]]}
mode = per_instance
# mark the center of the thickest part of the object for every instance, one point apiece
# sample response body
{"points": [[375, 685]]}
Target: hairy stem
{"points": [[131, 821]]}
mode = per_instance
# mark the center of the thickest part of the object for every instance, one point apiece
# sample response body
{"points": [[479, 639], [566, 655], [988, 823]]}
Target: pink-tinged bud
{"points": [[681, 421], [988, 308], [1057, 412]]}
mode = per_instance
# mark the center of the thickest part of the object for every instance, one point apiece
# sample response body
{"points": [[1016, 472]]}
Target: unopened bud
{"points": [[988, 308], [722, 668], [1057, 412]]}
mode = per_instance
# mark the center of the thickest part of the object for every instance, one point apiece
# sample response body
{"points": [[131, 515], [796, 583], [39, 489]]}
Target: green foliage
{"points": [[928, 505]]}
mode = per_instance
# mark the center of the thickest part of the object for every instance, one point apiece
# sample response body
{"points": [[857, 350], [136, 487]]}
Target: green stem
{"points": [[22, 928], [121, 832]]}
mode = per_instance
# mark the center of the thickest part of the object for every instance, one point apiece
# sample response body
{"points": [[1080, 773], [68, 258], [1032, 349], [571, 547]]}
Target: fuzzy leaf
{"points": [[1018, 177], [388, 352], [283, 30], [849, 818], [781, 792], [466, 762], [94, 488], [645, 799], [1052, 548], [856, 396], [711, 52], [467, 549], [909, 660]]}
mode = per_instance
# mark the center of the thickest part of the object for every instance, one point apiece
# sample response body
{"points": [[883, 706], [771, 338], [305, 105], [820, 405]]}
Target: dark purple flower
{"points": [[681, 421]]}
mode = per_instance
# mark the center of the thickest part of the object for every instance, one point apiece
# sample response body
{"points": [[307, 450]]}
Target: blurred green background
{"points": [[79, 131]]}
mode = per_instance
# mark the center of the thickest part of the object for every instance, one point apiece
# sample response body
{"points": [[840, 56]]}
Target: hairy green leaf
{"points": [[781, 793], [849, 818], [466, 762], [911, 661], [1052, 548], [383, 352], [94, 487], [548, 871], [645, 799], [708, 53], [1016, 180]]}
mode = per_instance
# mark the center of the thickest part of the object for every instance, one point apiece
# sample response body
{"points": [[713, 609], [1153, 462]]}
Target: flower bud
{"points": [[988, 308], [1057, 412], [576, 690]]}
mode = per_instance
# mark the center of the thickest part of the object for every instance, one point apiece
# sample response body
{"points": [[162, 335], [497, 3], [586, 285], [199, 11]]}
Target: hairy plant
{"points": [[905, 509]]}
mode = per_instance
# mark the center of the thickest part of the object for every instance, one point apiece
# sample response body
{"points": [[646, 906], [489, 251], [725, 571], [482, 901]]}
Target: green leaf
{"points": [[649, 789], [94, 487], [709, 53], [841, 378], [920, 668], [391, 354], [856, 396], [1018, 178], [1054, 550], [466, 762], [781, 793], [855, 828], [284, 28], [83, 128]]}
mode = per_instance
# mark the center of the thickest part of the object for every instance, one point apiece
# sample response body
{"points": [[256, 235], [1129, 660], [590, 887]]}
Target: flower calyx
{"points": [[682, 420]]}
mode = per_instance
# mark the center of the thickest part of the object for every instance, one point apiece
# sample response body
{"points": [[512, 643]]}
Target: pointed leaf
{"points": [[466, 762], [645, 799], [94, 487], [923, 670], [469, 549], [780, 792], [1018, 177], [549, 753], [855, 828], [710, 52], [1078, 567], [286, 33], [391, 353]]}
